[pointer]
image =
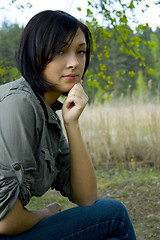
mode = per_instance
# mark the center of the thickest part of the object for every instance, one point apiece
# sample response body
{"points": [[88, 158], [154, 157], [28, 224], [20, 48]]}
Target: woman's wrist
{"points": [[71, 125]]}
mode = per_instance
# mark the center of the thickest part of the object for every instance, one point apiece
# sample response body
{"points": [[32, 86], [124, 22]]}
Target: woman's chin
{"points": [[68, 89]]}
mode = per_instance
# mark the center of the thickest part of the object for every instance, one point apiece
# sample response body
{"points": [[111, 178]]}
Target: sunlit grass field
{"points": [[123, 134]]}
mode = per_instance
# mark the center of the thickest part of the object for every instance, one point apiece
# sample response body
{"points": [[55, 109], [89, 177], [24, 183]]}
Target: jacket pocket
{"points": [[47, 160]]}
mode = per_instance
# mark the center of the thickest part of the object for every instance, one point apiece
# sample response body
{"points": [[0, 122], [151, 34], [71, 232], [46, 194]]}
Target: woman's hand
{"points": [[74, 104], [53, 208], [19, 220]]}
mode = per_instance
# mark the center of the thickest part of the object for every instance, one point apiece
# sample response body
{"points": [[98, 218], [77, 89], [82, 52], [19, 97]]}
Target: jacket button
{"points": [[17, 167], [53, 117]]}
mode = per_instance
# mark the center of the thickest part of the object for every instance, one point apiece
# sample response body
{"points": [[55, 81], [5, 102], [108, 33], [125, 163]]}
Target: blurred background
{"points": [[121, 124]]}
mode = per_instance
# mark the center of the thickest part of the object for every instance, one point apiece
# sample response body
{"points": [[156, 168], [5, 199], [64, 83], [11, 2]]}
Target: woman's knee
{"points": [[112, 208]]}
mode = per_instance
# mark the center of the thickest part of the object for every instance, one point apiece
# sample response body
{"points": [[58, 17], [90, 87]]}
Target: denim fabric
{"points": [[105, 219]]}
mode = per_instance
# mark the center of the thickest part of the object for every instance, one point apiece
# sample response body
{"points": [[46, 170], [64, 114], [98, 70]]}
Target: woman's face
{"points": [[67, 67]]}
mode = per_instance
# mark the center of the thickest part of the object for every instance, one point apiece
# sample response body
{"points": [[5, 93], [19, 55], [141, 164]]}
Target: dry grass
{"points": [[117, 134]]}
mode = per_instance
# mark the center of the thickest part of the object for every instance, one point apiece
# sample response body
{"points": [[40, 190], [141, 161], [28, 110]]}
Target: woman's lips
{"points": [[71, 77]]}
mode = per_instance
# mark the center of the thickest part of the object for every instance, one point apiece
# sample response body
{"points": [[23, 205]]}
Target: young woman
{"points": [[53, 57]]}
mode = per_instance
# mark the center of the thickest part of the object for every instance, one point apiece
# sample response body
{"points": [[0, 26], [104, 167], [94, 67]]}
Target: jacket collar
{"points": [[50, 110]]}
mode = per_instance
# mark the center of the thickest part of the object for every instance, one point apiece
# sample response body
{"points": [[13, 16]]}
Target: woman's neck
{"points": [[51, 97]]}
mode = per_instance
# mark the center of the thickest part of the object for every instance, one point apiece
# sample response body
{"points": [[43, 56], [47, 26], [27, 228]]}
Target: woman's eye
{"points": [[60, 52], [82, 52]]}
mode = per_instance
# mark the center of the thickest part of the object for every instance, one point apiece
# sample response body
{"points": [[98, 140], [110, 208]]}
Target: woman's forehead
{"points": [[78, 38]]}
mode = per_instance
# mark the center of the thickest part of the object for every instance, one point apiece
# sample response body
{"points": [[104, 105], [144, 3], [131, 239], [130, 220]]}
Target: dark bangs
{"points": [[41, 40]]}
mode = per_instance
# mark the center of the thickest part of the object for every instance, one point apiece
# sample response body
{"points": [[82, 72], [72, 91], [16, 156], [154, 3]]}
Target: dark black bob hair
{"points": [[41, 40]]}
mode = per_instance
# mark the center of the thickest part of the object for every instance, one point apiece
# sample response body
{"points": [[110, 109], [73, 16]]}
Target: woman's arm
{"points": [[83, 180], [19, 220]]}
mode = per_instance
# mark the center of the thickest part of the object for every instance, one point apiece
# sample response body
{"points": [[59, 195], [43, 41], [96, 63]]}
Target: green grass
{"points": [[48, 198], [138, 190], [140, 193]]}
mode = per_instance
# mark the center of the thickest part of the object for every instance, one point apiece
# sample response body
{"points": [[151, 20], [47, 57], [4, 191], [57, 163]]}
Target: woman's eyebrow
{"points": [[65, 45], [82, 44]]}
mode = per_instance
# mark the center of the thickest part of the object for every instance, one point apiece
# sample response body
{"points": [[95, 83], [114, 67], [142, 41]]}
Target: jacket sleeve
{"points": [[18, 133]]}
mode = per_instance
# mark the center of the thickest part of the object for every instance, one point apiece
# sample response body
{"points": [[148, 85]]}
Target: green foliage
{"points": [[21, 6], [142, 88], [155, 37], [9, 38], [118, 51], [3, 73], [8, 73]]}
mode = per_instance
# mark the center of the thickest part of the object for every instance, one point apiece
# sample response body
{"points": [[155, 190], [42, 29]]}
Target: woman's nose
{"points": [[72, 61]]}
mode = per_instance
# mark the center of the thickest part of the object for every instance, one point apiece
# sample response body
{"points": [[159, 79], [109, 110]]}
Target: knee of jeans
{"points": [[120, 207], [115, 207]]}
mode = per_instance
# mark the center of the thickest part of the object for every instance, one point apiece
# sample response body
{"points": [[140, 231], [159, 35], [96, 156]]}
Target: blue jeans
{"points": [[105, 219]]}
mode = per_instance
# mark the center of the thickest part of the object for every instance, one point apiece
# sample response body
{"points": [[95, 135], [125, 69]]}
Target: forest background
{"points": [[125, 61], [120, 126]]}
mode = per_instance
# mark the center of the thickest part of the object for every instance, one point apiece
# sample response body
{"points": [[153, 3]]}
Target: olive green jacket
{"points": [[34, 153]]}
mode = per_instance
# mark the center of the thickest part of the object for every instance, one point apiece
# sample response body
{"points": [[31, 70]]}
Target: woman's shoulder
{"points": [[18, 92], [15, 87], [18, 100]]}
